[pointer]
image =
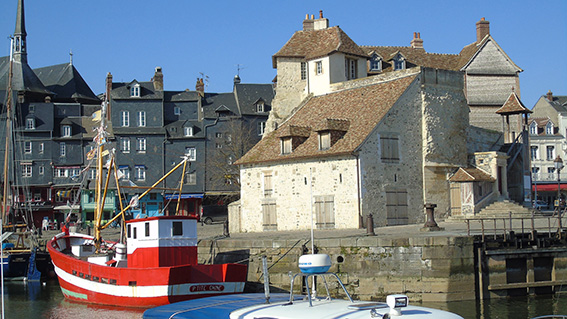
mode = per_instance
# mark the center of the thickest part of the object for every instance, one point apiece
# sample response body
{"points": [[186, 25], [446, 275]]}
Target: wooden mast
{"points": [[8, 137]]}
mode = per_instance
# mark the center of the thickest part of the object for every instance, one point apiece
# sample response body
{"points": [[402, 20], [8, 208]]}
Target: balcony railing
{"points": [[548, 177]]}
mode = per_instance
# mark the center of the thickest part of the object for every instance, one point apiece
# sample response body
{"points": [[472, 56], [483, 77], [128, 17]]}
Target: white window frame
{"points": [[190, 178], [324, 141], [41, 148], [261, 128], [41, 170], [61, 172], [125, 144], [260, 107], [399, 63], [27, 171], [188, 131], [28, 147], [62, 149], [176, 110], [140, 172], [92, 173], [286, 145], [66, 131], [124, 118], [141, 144], [375, 63], [142, 118], [191, 152], [319, 67], [135, 90], [30, 124], [549, 129], [533, 128], [534, 152]]}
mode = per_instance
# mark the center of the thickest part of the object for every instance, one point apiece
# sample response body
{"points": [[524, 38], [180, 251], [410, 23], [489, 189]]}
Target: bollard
{"points": [[370, 225], [430, 224], [225, 229]]}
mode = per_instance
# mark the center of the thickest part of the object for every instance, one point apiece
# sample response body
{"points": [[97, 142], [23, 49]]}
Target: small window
{"points": [[62, 149], [324, 140], [261, 128], [260, 107], [135, 233], [191, 178], [188, 131], [32, 109], [28, 147], [147, 226], [550, 153], [41, 148], [124, 119], [286, 145], [41, 170], [375, 63], [176, 110], [37, 197], [66, 131], [303, 70], [142, 119], [135, 90], [191, 152], [533, 128], [399, 63], [319, 67], [26, 171], [30, 124], [140, 171], [129, 231], [549, 129], [177, 229], [125, 144], [218, 135], [350, 69], [141, 145], [218, 145], [533, 151], [389, 149]]}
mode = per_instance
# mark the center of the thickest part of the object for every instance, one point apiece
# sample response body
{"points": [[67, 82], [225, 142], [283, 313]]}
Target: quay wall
{"points": [[371, 267]]}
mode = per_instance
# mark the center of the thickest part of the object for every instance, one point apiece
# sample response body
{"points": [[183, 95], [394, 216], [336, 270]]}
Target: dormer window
{"points": [[135, 90], [399, 62], [188, 131], [533, 128], [549, 128], [286, 145], [324, 140], [260, 107], [350, 68], [66, 131], [30, 123], [176, 110], [375, 63]]}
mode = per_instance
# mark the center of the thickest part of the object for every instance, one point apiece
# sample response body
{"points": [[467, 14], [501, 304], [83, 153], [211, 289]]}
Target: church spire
{"points": [[19, 44]]}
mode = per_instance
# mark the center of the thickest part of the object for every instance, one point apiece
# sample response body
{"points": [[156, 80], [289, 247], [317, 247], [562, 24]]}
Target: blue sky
{"points": [[186, 38]]}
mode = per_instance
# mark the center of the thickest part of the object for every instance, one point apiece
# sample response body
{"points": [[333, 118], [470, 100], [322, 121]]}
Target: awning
{"points": [[547, 187], [183, 196]]}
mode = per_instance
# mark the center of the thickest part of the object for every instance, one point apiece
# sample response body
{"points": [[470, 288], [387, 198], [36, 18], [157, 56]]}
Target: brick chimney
{"points": [[482, 29], [158, 79], [321, 23], [417, 42], [200, 87], [549, 96], [107, 92]]}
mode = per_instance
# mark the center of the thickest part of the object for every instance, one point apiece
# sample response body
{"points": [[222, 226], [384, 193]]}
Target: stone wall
{"points": [[425, 269]]}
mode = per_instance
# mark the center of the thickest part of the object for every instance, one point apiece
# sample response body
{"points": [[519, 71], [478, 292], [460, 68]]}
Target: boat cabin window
{"points": [[147, 229], [177, 229], [135, 232], [129, 231]]}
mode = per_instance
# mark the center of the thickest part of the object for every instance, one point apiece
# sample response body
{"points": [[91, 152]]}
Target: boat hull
{"points": [[86, 282], [16, 264]]}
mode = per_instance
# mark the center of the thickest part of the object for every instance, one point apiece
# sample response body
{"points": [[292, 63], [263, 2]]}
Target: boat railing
{"points": [[311, 295]]}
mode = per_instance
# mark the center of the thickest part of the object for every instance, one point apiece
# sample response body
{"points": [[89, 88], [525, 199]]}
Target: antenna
{"points": [[238, 68], [205, 79]]}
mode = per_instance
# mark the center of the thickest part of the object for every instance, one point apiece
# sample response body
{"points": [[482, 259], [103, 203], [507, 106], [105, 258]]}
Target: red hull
{"points": [[140, 287]]}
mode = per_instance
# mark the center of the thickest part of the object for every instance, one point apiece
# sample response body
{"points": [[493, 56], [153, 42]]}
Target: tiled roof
{"points": [[310, 45], [362, 107], [333, 125], [513, 105], [471, 174], [415, 57]]}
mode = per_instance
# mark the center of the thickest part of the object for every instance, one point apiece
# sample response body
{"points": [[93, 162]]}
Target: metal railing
{"points": [[502, 226]]}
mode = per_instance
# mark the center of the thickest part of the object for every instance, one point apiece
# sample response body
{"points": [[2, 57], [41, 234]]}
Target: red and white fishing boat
{"points": [[156, 265]]}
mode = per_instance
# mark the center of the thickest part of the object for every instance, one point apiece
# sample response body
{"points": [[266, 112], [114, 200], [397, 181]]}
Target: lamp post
{"points": [[558, 162]]}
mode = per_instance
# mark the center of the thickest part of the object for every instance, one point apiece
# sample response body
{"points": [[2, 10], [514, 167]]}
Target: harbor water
{"points": [[45, 300]]}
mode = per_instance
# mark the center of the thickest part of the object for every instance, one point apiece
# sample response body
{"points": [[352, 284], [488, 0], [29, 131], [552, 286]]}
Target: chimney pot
{"points": [[307, 16], [550, 96], [320, 14], [158, 79], [312, 17], [417, 42]]}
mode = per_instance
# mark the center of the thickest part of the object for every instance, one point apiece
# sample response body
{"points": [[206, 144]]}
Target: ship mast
{"points": [[8, 137], [100, 139]]}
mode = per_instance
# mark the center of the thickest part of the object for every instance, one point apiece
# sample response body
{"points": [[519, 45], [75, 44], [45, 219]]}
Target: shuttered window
{"points": [[270, 221], [325, 211], [396, 207], [389, 149]]}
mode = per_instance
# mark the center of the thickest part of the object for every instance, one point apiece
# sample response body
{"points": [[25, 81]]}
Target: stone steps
{"points": [[498, 209]]}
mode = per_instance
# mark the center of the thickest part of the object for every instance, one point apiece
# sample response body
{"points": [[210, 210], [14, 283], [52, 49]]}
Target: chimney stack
{"points": [[308, 23], [200, 87], [321, 23], [550, 96], [482, 29], [158, 79], [417, 42], [107, 92]]}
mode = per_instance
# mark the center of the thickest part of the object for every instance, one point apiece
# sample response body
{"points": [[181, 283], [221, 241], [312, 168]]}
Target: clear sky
{"points": [[129, 38]]}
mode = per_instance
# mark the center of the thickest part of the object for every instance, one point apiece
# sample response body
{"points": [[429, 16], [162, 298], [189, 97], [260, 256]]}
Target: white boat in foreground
{"points": [[308, 306]]}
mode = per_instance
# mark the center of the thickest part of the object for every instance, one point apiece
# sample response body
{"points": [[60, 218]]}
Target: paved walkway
{"points": [[449, 229]]}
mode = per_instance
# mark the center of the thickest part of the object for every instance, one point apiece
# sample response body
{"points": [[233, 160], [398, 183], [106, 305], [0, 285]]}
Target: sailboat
{"points": [[155, 265], [20, 259]]}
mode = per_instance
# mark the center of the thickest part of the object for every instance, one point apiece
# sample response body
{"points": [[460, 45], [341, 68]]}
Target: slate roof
{"points": [[214, 102], [513, 105], [247, 95], [471, 174], [23, 77], [121, 90], [559, 102], [314, 44], [66, 82], [366, 108]]}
